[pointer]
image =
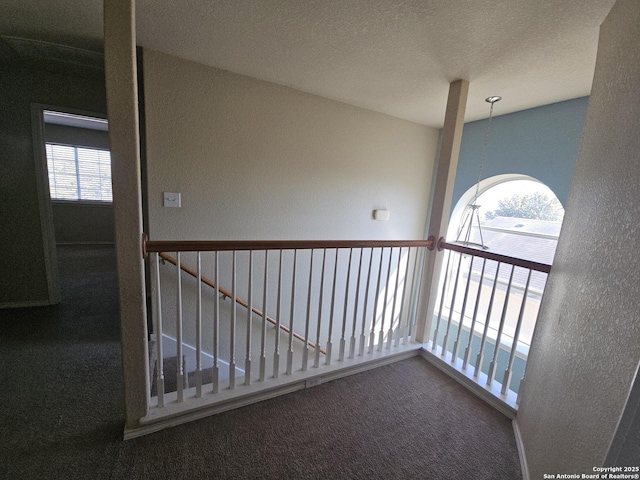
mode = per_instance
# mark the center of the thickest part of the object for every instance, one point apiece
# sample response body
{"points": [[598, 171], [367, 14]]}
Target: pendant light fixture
{"points": [[471, 214]]}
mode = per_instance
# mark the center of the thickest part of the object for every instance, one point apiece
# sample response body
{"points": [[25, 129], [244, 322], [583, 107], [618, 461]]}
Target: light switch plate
{"points": [[172, 199]]}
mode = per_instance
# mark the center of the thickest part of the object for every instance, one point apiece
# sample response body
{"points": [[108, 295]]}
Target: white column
{"points": [[440, 203], [122, 108]]}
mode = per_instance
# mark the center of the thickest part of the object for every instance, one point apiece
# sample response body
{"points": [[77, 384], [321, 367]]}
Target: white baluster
{"points": [[198, 373], [346, 303], [393, 308], [158, 330], [472, 329], [524, 374], [402, 324], [179, 369], [372, 339], [486, 325], [413, 294], [363, 339], [305, 352], [496, 350], [185, 377], [352, 343], [416, 280], [316, 363], [443, 294], [276, 349], [332, 311], [232, 330], [454, 352], [216, 327], [506, 379], [291, 317], [445, 342], [247, 362], [263, 338], [386, 300]]}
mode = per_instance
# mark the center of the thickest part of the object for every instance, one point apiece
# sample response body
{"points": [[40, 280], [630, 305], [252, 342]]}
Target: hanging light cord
{"points": [[483, 158], [472, 208]]}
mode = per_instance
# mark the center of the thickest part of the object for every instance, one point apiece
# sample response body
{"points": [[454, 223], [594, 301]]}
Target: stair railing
{"points": [[485, 313], [367, 288]]}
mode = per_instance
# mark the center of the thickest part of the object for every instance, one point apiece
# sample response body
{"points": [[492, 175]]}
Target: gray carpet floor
{"points": [[61, 410]]}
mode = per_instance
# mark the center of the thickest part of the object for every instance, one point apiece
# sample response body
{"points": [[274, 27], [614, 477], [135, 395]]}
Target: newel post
{"points": [[440, 204], [122, 109]]}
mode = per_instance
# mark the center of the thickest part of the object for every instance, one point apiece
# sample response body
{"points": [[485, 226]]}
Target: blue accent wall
{"points": [[541, 142]]}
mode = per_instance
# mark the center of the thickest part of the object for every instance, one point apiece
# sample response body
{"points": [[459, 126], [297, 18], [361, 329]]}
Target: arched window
{"points": [[515, 215], [484, 304]]}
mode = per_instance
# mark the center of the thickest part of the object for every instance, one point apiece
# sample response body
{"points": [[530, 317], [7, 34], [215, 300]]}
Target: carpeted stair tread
{"points": [[170, 375]]}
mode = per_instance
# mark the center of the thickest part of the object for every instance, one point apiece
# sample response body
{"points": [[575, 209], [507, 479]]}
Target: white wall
{"points": [[255, 160], [83, 223], [586, 350]]}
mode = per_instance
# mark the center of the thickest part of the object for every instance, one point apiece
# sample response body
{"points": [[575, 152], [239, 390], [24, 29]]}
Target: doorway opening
{"points": [[71, 149]]}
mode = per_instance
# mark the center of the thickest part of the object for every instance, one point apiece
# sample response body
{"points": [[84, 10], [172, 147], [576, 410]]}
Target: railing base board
{"points": [[521, 453], [173, 413], [505, 404]]}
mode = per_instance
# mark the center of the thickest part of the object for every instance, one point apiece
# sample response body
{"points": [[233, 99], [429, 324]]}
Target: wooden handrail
{"points": [[518, 262], [228, 294], [227, 245]]}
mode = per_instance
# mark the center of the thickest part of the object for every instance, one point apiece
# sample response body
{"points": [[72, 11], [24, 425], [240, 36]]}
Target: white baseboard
{"points": [[521, 453], [32, 303], [97, 243], [506, 404]]}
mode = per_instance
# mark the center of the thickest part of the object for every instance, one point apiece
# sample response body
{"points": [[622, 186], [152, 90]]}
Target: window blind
{"points": [[79, 173]]}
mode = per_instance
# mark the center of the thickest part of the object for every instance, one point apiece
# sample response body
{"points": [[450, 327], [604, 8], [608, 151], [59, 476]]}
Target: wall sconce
{"points": [[381, 215]]}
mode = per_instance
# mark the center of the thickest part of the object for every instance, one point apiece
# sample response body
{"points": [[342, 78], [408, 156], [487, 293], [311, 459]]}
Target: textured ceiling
{"points": [[392, 56]]}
